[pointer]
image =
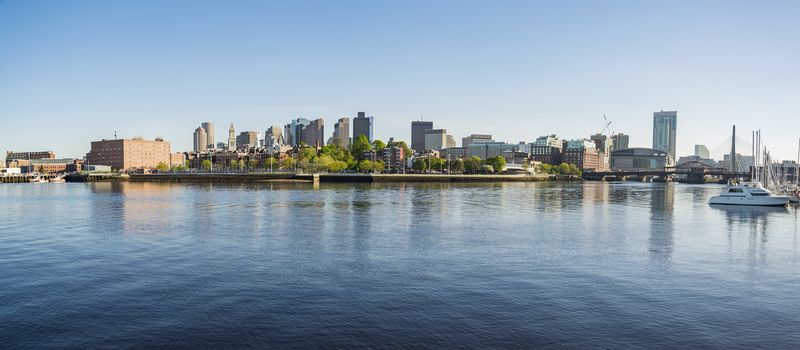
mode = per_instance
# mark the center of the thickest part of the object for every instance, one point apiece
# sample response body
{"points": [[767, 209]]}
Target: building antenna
{"points": [[115, 134]]}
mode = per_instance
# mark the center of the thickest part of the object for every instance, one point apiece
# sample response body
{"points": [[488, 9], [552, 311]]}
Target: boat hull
{"points": [[773, 201]]}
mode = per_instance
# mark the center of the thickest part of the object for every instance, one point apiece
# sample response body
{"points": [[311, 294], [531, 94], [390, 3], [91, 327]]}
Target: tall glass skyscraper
{"points": [[664, 125]]}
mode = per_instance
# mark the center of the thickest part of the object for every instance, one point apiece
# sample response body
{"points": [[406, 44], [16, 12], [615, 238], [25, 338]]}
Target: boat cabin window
{"points": [[759, 193], [735, 190]]}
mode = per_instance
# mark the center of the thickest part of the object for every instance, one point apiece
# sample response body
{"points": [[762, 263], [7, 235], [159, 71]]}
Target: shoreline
{"points": [[331, 178]]}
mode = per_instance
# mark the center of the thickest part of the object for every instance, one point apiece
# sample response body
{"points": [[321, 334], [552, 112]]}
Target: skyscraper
{"points": [[341, 132], [314, 133], [362, 125], [209, 128], [247, 139], [418, 129], [200, 140], [621, 141], [293, 132], [664, 126], [273, 136], [435, 139], [231, 138]]}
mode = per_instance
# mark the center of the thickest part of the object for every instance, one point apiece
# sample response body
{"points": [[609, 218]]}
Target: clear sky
{"points": [[76, 71]]}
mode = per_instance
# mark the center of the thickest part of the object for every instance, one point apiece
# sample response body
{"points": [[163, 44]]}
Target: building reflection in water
{"points": [[662, 202]]}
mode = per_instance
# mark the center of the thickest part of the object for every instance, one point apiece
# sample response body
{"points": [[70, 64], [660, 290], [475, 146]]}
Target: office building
{"points": [[466, 141], [435, 139], [604, 147], [52, 165], [231, 138], [362, 125], [246, 140], [210, 140], [450, 141], [293, 132], [418, 130], [702, 151], [454, 153], [640, 159], [126, 154], [314, 134], [273, 137], [489, 149], [664, 127], [547, 150], [200, 140], [582, 153], [621, 141], [341, 132]]}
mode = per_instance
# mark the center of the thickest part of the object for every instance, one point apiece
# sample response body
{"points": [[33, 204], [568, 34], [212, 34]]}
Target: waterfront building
{"points": [[454, 153], [126, 154], [362, 125], [581, 153], [210, 140], [515, 157], [247, 140], [466, 141], [604, 146], [640, 159], [418, 130], [547, 150], [341, 132], [665, 124], [702, 151], [231, 138], [620, 141], [435, 139], [314, 134], [52, 165], [489, 149], [13, 158], [221, 145], [273, 137], [200, 140], [177, 159], [393, 159]]}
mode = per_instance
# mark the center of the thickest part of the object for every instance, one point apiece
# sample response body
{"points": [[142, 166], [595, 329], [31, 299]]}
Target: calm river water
{"points": [[514, 265]]}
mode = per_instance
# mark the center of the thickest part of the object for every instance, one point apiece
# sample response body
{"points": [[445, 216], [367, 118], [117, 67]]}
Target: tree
{"points": [[240, 164], [420, 164], [436, 164], [378, 166], [359, 146], [456, 166], [365, 166], [378, 145], [161, 166], [337, 166], [252, 164], [187, 164], [472, 165], [270, 162], [498, 163], [336, 152], [288, 163], [324, 162], [307, 153], [206, 164]]}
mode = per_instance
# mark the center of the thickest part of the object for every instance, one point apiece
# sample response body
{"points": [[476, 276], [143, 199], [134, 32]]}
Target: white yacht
{"points": [[749, 193]]}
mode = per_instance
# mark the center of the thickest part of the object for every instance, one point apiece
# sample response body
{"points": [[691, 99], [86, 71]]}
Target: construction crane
{"points": [[607, 126]]}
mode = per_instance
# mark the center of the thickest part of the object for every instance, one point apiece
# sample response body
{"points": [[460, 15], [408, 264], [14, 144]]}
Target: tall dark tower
{"points": [[734, 168]]}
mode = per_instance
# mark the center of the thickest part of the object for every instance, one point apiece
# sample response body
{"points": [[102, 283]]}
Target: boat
{"points": [[58, 179], [749, 193], [38, 180]]}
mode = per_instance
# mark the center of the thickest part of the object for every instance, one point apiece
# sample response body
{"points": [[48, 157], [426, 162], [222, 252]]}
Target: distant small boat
{"points": [[39, 180], [751, 193], [58, 179]]}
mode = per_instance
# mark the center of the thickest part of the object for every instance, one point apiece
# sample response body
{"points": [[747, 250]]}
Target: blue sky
{"points": [[76, 71]]}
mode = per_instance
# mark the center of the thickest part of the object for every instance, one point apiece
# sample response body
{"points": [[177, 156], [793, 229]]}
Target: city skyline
{"points": [[530, 69]]}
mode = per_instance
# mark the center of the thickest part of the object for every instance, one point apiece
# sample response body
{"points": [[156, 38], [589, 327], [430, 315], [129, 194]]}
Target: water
{"points": [[517, 265]]}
